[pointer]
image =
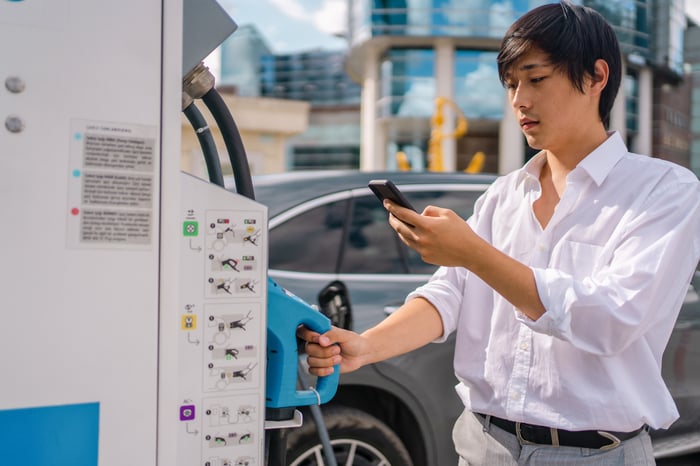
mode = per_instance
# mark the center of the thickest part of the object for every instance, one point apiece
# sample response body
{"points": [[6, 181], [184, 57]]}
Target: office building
{"points": [[406, 53]]}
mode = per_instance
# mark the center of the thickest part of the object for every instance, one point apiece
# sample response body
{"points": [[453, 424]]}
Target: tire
{"points": [[358, 439]]}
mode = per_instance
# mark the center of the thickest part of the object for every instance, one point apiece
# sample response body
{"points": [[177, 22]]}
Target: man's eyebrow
{"points": [[532, 66], [528, 67]]}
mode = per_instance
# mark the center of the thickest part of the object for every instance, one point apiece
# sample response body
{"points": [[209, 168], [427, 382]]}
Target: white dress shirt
{"points": [[612, 268]]}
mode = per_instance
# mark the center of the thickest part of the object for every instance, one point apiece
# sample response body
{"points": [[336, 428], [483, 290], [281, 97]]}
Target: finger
{"points": [[406, 216], [316, 350], [312, 336], [307, 334], [321, 371], [324, 362]]}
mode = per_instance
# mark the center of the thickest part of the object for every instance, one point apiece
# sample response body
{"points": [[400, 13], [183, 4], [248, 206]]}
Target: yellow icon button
{"points": [[188, 322]]}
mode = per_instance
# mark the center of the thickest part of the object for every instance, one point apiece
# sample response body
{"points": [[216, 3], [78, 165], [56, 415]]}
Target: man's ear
{"points": [[601, 72]]}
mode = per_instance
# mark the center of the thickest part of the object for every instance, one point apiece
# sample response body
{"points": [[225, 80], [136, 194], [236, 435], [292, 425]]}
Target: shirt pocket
{"points": [[576, 258]]}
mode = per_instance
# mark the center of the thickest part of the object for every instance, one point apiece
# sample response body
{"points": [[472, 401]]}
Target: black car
{"points": [[328, 231]]}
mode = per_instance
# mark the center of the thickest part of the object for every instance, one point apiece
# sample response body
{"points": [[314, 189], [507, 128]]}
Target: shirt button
{"points": [[515, 396], [524, 345]]}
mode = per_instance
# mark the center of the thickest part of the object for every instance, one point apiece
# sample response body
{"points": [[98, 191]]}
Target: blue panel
{"points": [[50, 436]]}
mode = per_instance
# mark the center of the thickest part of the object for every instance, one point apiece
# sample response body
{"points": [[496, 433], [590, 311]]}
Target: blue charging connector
{"points": [[285, 312]]}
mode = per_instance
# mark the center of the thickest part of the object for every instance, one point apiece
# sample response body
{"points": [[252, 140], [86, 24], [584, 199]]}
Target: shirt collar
{"points": [[532, 167], [597, 164]]}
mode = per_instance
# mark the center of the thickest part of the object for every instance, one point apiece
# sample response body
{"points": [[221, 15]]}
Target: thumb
{"points": [[331, 337], [336, 335]]}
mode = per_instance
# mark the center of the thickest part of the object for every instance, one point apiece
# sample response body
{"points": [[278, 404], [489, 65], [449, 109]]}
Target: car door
{"points": [[376, 267]]}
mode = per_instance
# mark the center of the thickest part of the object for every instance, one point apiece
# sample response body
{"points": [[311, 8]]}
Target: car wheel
{"points": [[357, 438]]}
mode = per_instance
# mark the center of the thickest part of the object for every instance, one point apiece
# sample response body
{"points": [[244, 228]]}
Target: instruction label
{"points": [[111, 185]]}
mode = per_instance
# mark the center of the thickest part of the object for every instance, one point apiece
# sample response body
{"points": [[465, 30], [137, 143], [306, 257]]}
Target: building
{"points": [[692, 77], [265, 126], [240, 61], [405, 53], [317, 77]]}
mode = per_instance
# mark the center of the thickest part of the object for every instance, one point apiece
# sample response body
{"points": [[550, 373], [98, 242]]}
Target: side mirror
{"points": [[334, 303]]}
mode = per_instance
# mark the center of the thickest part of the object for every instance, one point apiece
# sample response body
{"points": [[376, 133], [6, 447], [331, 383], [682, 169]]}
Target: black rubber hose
{"points": [[234, 145], [276, 440], [206, 142]]}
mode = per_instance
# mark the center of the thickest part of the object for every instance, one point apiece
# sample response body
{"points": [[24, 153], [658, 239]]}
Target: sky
{"points": [[291, 26]]}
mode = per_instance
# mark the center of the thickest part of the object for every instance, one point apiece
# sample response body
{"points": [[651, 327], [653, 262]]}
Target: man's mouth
{"points": [[526, 123]]}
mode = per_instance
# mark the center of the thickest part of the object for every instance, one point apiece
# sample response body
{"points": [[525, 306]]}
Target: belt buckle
{"points": [[613, 439], [554, 436]]}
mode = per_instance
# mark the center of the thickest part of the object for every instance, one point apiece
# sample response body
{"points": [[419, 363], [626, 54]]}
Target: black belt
{"points": [[529, 434]]}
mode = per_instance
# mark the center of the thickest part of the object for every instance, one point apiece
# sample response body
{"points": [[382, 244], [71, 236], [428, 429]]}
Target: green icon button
{"points": [[190, 228]]}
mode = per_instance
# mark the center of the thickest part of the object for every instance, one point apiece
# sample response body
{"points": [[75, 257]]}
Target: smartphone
{"points": [[385, 189]]}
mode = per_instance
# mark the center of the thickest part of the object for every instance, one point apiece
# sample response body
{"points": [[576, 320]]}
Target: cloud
{"points": [[419, 99], [692, 9], [482, 93], [331, 17], [292, 26]]}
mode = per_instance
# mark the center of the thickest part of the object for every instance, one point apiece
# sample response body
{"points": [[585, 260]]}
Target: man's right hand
{"points": [[337, 346]]}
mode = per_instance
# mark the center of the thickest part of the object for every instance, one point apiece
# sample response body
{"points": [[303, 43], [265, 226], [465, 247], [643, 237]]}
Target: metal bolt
{"points": [[14, 84], [14, 124]]}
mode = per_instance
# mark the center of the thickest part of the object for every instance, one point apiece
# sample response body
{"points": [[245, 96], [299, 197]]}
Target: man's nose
{"points": [[520, 97]]}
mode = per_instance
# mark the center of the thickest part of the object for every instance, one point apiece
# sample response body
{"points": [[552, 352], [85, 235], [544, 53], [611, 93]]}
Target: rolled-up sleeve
{"points": [[444, 292]]}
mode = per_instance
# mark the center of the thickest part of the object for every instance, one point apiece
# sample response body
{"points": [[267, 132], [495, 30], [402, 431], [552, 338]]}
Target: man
{"points": [[564, 285]]}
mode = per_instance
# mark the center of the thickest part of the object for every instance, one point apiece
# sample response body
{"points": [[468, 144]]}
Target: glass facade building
{"points": [[408, 52], [318, 77], [692, 52], [240, 60]]}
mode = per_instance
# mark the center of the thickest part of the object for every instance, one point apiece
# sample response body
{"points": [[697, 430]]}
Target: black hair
{"points": [[573, 37]]}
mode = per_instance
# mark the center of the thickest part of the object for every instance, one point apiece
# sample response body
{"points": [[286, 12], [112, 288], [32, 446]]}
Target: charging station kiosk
{"points": [[134, 315]]}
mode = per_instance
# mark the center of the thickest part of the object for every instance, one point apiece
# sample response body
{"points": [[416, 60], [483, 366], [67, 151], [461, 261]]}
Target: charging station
{"points": [[138, 325]]}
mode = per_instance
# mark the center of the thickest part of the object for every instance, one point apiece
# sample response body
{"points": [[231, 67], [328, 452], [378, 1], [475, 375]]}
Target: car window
{"points": [[309, 242], [371, 245], [462, 202]]}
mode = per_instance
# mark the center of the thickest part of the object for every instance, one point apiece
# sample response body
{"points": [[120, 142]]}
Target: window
{"points": [[372, 246], [317, 240], [311, 241], [462, 202]]}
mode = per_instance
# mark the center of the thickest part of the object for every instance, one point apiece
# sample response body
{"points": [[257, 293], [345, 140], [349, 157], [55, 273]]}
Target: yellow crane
{"points": [[435, 158]]}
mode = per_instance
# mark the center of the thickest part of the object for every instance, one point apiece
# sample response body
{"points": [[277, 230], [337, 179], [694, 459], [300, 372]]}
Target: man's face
{"points": [[552, 113]]}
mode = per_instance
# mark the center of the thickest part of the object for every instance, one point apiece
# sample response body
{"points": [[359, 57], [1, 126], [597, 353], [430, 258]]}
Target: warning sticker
{"points": [[119, 153], [117, 189], [111, 185], [105, 226]]}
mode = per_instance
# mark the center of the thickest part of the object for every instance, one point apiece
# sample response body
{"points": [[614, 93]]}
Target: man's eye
{"points": [[537, 80]]}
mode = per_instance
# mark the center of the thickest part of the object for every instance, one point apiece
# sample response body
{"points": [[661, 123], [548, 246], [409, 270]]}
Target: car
{"points": [[329, 236]]}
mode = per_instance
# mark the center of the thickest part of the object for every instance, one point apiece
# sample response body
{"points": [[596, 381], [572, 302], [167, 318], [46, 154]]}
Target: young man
{"points": [[565, 284]]}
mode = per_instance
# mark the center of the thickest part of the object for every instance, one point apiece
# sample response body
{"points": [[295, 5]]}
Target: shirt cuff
{"points": [[553, 288], [441, 294]]}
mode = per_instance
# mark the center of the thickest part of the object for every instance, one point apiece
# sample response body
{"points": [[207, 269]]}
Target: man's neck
{"points": [[561, 161]]}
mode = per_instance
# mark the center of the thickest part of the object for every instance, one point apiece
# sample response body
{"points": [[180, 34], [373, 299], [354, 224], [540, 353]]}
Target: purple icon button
{"points": [[186, 412]]}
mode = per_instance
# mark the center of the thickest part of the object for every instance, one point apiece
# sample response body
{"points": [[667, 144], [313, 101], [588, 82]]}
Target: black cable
{"points": [[232, 138], [206, 142]]}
